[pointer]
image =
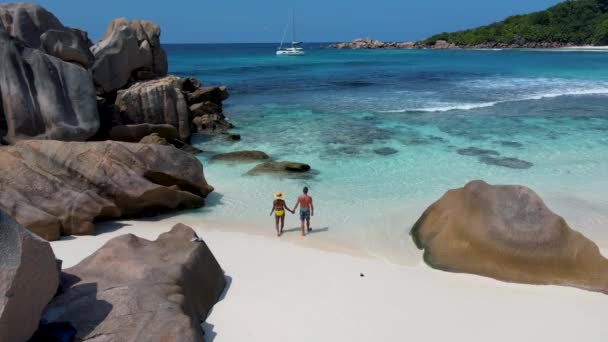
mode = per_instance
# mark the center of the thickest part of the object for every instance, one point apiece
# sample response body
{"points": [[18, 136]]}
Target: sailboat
{"points": [[295, 49]]}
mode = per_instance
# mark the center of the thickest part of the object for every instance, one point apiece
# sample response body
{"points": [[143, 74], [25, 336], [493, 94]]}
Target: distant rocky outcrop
{"points": [[60, 188], [506, 232], [132, 289], [29, 277], [368, 43]]}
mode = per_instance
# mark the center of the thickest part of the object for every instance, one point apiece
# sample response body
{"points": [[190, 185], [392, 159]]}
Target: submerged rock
{"points": [[474, 151], [29, 278], [510, 143], [132, 289], [385, 151], [506, 232], [241, 156], [57, 188], [279, 167], [512, 163]]}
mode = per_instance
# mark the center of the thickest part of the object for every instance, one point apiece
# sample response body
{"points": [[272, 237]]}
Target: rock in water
{"points": [[129, 51], [506, 232], [58, 188], [44, 97], [133, 289], [29, 278], [279, 167], [156, 102], [241, 156]]}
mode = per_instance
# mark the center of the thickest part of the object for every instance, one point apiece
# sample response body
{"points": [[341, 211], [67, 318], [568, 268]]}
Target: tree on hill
{"points": [[570, 22]]}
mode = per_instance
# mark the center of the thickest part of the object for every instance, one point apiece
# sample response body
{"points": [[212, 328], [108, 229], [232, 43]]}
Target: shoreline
{"points": [[326, 296]]}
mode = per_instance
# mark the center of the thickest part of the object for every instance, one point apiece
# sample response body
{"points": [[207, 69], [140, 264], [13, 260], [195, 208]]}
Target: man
{"points": [[306, 209]]}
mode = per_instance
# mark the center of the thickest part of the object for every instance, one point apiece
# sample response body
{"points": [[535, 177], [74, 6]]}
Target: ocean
{"points": [[387, 132]]}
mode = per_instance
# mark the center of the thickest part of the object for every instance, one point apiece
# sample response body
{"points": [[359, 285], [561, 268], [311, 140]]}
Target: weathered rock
{"points": [[241, 156], [156, 102], [443, 45], [211, 123], [367, 43], [203, 108], [118, 57], [506, 232], [132, 289], [58, 188], [134, 133], [145, 31], [27, 22], [68, 46], [43, 97], [279, 167], [154, 138], [212, 94], [29, 278], [129, 51]]}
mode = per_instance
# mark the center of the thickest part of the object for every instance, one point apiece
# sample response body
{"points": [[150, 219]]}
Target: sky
{"points": [[244, 21]]}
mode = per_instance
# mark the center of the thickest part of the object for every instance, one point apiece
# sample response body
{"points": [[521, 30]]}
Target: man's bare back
{"points": [[307, 209]]}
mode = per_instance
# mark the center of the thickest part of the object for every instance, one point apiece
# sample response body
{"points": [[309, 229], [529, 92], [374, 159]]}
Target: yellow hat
{"points": [[278, 195]]}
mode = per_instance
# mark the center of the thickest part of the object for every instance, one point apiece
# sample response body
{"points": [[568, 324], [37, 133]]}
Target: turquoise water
{"points": [[388, 132]]}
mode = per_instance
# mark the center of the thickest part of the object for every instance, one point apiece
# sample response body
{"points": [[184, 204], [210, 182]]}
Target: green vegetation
{"points": [[578, 22]]}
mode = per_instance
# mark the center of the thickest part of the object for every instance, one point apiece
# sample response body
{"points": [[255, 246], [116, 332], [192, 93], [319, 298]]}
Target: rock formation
{"points": [[43, 97], [368, 43], [129, 51], [156, 102], [39, 29], [506, 232], [241, 156], [132, 289], [134, 133], [59, 188], [29, 278]]}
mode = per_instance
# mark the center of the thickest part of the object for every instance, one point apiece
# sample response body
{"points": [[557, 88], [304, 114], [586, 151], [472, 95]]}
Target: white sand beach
{"points": [[283, 291]]}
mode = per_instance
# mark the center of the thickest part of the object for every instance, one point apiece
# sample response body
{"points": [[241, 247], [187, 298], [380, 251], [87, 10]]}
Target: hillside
{"points": [[573, 22]]}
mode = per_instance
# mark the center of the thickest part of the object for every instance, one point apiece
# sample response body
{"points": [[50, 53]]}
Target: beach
{"points": [[281, 289]]}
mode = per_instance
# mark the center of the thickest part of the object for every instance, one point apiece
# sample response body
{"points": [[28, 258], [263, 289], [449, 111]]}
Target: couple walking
{"points": [[306, 211]]}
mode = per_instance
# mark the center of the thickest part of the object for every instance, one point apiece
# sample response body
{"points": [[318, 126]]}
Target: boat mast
{"points": [[293, 26]]}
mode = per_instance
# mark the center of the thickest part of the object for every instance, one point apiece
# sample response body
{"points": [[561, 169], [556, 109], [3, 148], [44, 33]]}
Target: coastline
{"points": [[328, 299]]}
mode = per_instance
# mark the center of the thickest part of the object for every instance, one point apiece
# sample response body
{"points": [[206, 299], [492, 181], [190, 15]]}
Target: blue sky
{"points": [[204, 21]]}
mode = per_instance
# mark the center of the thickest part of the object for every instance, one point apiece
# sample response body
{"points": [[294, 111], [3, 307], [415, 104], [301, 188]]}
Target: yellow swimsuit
{"points": [[279, 213]]}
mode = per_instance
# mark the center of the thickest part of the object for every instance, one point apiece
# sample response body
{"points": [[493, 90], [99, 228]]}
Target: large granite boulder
{"points": [[506, 232], [134, 133], [132, 289], [58, 188], [29, 278], [129, 51], [43, 97], [38, 28], [27, 22], [68, 45], [157, 101]]}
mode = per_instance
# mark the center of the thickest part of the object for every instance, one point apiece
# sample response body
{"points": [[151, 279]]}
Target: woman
{"points": [[278, 208]]}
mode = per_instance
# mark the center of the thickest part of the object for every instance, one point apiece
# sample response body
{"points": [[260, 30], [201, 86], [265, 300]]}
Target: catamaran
{"points": [[295, 49]]}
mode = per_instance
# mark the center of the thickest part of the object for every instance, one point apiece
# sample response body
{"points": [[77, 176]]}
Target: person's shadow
{"points": [[313, 231]]}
